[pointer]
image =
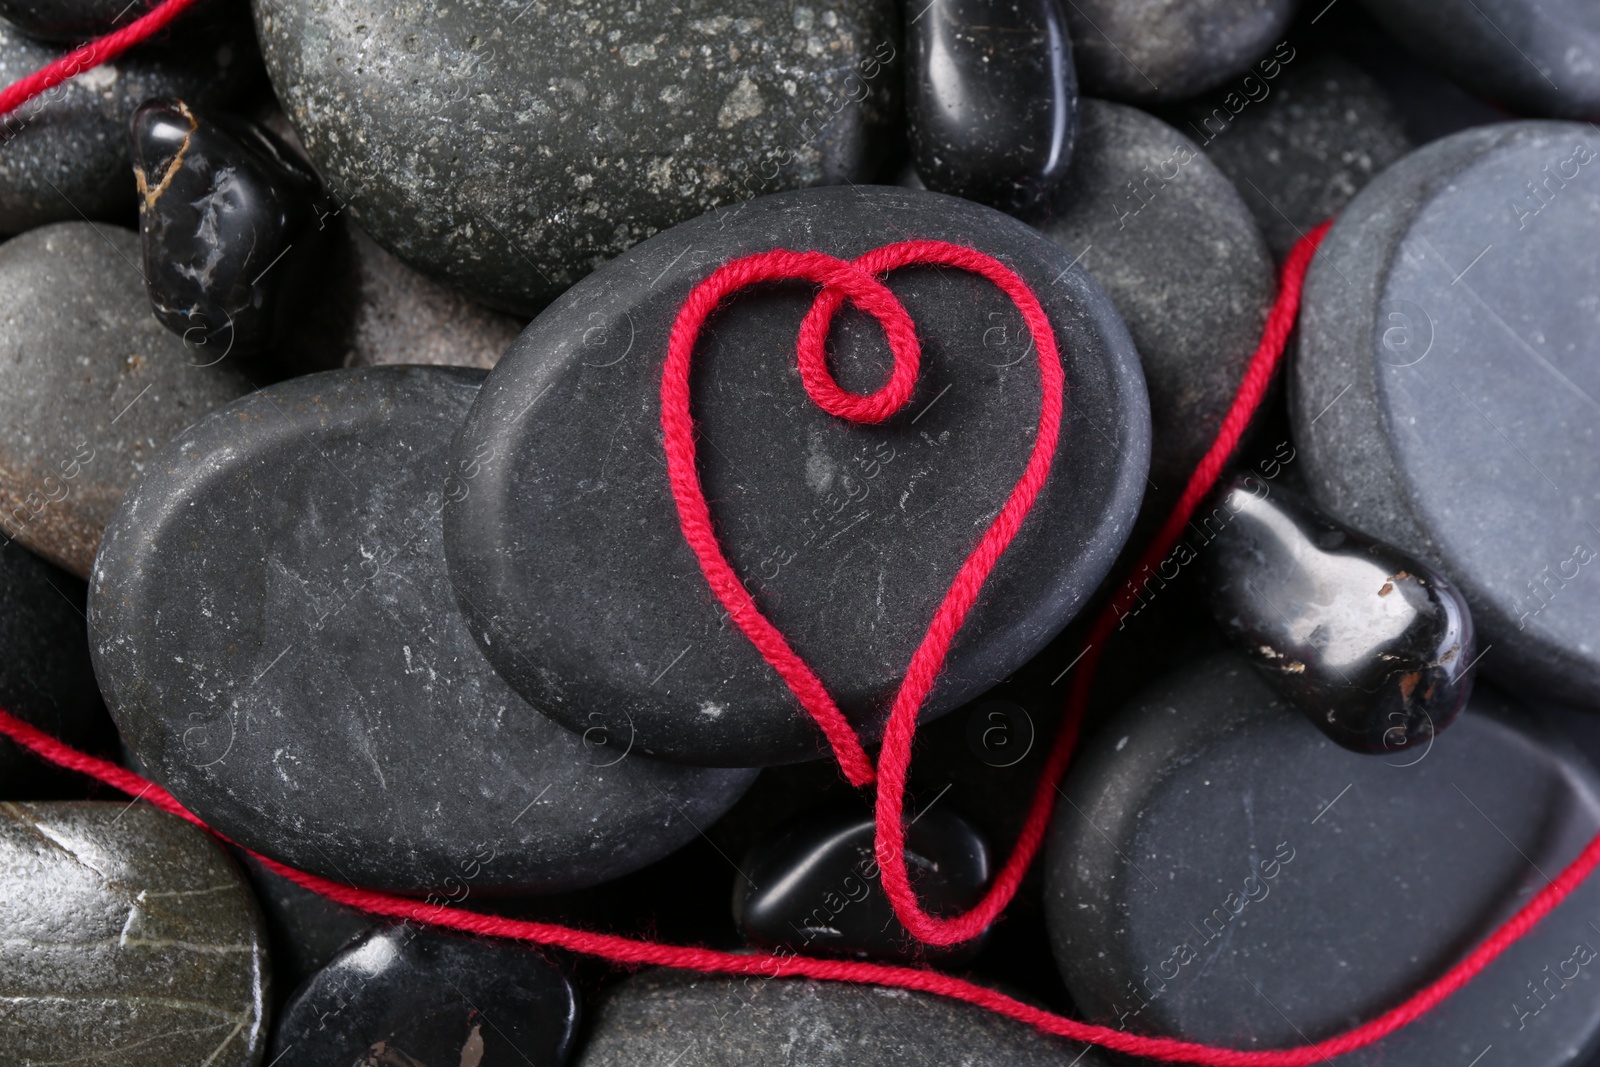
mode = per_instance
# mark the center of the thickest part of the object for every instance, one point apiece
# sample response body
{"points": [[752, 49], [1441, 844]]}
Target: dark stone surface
{"points": [[71, 20], [1443, 394], [812, 884], [657, 1015], [129, 937], [408, 997], [229, 227], [1154, 222], [1373, 647], [278, 641], [1156, 50], [64, 155], [304, 929], [991, 99], [1541, 57], [45, 675], [90, 385], [568, 554], [1227, 874], [1298, 147], [510, 151]]}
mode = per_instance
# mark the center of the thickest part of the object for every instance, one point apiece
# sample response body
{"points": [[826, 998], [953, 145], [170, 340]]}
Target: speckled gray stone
{"points": [[730, 1022], [1226, 873], [278, 642], [1444, 390], [1541, 57], [129, 937], [1167, 236], [569, 557], [90, 385], [1298, 154], [64, 155], [1161, 50], [510, 149]]}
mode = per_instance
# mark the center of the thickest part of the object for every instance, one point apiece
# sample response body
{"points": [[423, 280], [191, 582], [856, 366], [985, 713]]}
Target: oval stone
{"points": [[1225, 873], [278, 641], [568, 556], [129, 937], [1445, 396], [90, 385]]}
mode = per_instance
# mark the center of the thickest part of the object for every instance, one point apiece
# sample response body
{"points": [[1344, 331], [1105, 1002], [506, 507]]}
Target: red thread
{"points": [[853, 282], [96, 52]]}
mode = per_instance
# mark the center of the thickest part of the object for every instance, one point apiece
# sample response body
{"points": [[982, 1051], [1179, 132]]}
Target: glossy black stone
{"points": [[568, 555], [1374, 647], [405, 996], [812, 884], [992, 99], [278, 641], [45, 675], [304, 929], [228, 224], [71, 20], [1227, 874]]}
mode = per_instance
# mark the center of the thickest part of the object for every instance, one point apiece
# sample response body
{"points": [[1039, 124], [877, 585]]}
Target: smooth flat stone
{"points": [[1156, 50], [64, 155], [229, 226], [812, 884], [45, 675], [1155, 223], [279, 644], [1540, 58], [69, 20], [129, 936], [405, 996], [509, 154], [1217, 873], [568, 556], [90, 385], [1443, 395], [991, 99], [1298, 147], [1373, 647], [655, 1016], [304, 929]]}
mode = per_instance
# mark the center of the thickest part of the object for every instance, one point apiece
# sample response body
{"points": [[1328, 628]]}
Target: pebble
{"points": [[1167, 236], [992, 99], [45, 675], [129, 937], [229, 227], [305, 930], [1443, 395], [90, 385], [1227, 874], [812, 884], [69, 20], [509, 153], [657, 1015], [278, 642], [1373, 647], [1148, 50], [1298, 147], [848, 533], [64, 155], [1539, 57], [404, 996]]}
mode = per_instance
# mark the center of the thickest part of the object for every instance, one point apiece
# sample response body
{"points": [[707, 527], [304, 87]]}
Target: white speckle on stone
{"points": [[1122, 743], [820, 467], [742, 104], [634, 54], [99, 78], [712, 710]]}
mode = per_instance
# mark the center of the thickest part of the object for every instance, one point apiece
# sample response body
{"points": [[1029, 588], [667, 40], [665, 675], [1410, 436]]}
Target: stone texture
{"points": [[64, 155], [1443, 396], [511, 151], [70, 20], [90, 385], [278, 641], [1167, 236], [1225, 873], [568, 555], [45, 675], [1158, 50], [722, 1022], [129, 937]]}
